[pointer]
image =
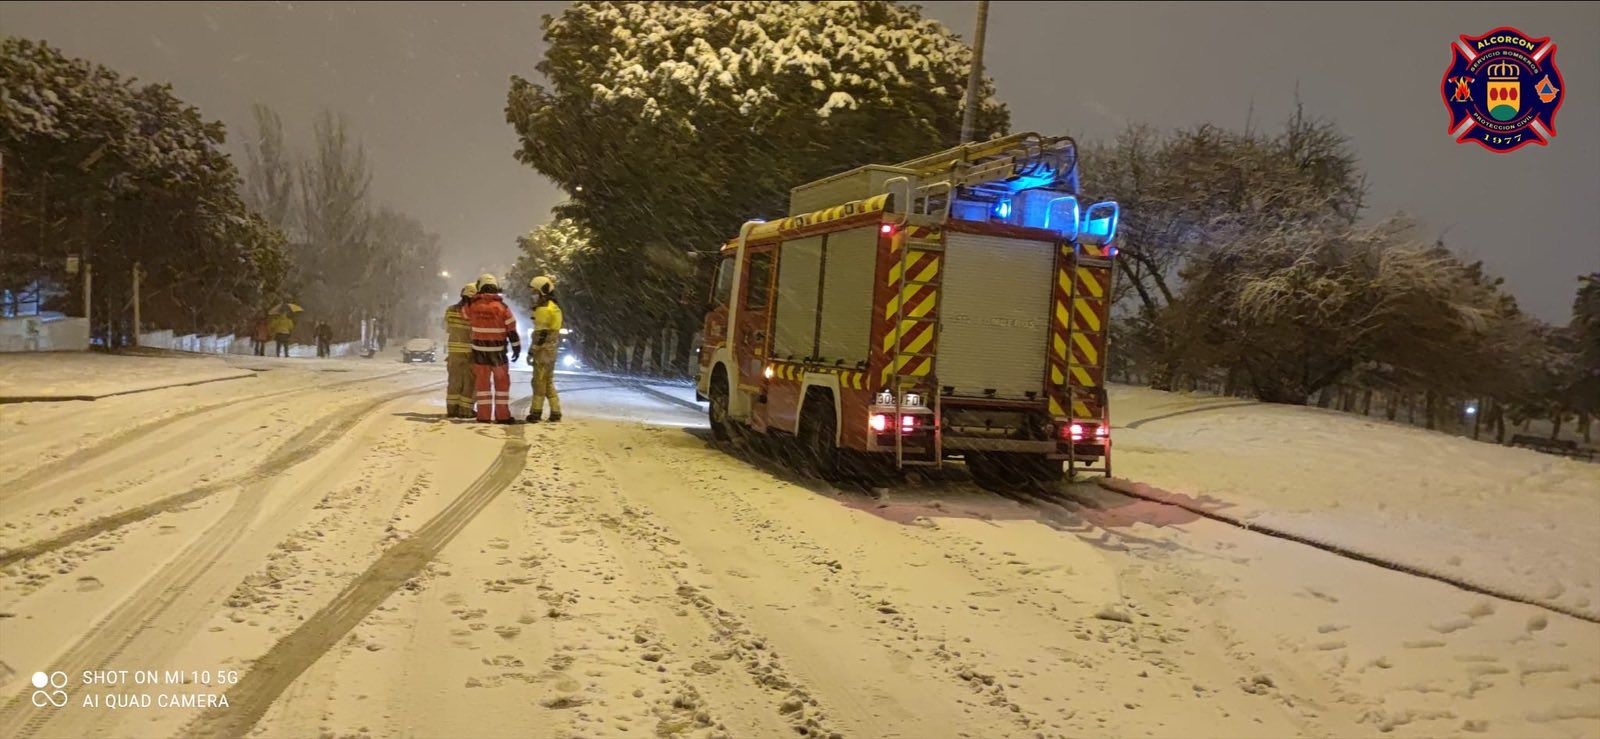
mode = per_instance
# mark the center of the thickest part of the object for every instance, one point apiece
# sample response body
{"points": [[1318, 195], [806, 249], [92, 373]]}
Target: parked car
{"points": [[420, 350]]}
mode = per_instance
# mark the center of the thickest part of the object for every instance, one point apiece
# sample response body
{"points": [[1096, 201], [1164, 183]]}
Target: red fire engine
{"points": [[950, 306]]}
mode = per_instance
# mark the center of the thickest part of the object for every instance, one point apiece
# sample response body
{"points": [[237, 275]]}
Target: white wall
{"points": [[35, 334]]}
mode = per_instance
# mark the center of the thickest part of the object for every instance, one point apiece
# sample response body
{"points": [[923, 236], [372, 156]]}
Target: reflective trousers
{"points": [[460, 390], [493, 393], [544, 385]]}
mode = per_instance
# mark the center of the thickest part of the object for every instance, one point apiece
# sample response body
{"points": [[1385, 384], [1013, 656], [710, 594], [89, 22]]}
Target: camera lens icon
{"points": [[56, 697]]}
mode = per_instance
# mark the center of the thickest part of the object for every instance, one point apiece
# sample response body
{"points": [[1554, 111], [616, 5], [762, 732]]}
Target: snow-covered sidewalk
{"points": [[92, 375], [1509, 519]]}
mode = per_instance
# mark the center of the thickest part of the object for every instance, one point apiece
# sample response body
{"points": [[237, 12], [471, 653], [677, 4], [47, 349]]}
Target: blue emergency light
{"points": [[1002, 208]]}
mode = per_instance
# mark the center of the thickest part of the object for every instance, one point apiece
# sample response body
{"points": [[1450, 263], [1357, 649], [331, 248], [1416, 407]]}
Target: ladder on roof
{"points": [[914, 364], [996, 160]]}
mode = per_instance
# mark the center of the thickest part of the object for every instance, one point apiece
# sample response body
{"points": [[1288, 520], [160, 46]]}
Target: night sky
{"points": [[424, 85]]}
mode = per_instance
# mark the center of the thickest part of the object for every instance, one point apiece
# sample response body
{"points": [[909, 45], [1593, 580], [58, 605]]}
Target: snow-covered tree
{"points": [[669, 124], [126, 174]]}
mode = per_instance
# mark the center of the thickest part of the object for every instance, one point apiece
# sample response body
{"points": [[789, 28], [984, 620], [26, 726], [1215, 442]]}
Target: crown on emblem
{"points": [[1503, 71]]}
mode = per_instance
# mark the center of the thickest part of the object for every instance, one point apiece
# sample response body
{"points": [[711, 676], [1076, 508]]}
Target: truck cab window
{"points": [[724, 289], [760, 281]]}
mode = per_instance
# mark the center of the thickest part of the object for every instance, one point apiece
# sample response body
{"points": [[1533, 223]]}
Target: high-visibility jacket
{"points": [[546, 325], [493, 327], [457, 330], [282, 324]]}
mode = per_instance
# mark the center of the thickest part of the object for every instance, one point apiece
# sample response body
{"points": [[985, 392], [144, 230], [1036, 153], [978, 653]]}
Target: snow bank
{"points": [[1511, 519], [92, 375]]}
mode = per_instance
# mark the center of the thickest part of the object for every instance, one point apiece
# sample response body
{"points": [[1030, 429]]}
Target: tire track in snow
{"points": [[290, 453], [25, 482], [181, 579], [1131, 490], [271, 675]]}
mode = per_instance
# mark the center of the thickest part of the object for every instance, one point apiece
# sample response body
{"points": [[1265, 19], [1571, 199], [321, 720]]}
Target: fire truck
{"points": [[950, 306]]}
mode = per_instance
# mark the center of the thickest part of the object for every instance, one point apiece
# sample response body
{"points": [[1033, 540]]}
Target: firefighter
{"points": [[493, 327], [458, 357], [545, 340]]}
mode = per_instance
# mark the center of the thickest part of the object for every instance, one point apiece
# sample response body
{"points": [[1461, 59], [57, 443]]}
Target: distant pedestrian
{"points": [[324, 339], [282, 326], [261, 335]]}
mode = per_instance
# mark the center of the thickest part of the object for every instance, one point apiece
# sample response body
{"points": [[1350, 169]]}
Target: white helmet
{"points": [[542, 285]]}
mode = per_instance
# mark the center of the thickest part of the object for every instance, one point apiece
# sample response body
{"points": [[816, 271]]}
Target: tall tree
{"points": [[669, 124], [335, 254], [269, 176]]}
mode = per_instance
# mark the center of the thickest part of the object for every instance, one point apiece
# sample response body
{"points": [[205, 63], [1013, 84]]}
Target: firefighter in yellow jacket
{"points": [[458, 360], [546, 340]]}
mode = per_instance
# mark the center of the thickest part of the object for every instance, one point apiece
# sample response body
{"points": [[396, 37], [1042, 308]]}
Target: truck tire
{"points": [[819, 444], [721, 423]]}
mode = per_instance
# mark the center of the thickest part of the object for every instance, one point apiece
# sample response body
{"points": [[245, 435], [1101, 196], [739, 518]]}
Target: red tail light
{"points": [[1102, 431], [886, 229], [880, 423]]}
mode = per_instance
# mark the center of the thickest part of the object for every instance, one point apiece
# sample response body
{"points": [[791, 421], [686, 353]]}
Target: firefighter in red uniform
{"points": [[493, 327]]}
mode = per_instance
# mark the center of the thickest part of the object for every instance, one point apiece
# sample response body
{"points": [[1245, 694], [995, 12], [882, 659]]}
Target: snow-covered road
{"points": [[317, 546]]}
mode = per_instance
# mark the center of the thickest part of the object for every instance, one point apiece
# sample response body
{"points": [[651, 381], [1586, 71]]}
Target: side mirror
{"points": [[1099, 224]]}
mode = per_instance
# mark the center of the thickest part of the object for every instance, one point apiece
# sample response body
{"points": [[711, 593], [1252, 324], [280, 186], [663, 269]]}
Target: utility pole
{"points": [[88, 298], [975, 78], [137, 324]]}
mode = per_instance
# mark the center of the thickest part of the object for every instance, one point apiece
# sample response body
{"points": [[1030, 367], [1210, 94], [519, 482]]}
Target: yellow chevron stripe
{"points": [[1085, 313], [1091, 282], [1083, 378], [1060, 346], [1064, 280], [1055, 408], [928, 272], [1062, 318], [1056, 377], [894, 274], [1079, 410], [1087, 347]]}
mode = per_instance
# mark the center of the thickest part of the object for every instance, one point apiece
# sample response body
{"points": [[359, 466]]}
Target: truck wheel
{"points": [[819, 446], [989, 471], [721, 424], [1048, 473]]}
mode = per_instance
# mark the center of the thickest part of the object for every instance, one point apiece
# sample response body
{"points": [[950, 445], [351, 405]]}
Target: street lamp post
{"points": [[975, 76]]}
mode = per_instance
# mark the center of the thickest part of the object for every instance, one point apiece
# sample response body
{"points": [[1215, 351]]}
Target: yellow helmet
{"points": [[470, 290], [542, 285]]}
